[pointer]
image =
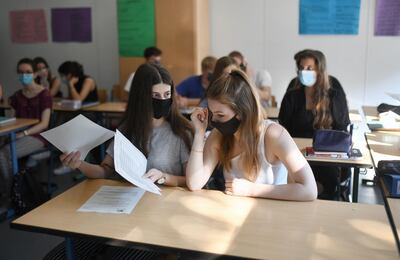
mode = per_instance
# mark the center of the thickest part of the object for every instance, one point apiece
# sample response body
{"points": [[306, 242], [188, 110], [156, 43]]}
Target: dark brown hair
{"points": [[136, 124], [220, 66]]}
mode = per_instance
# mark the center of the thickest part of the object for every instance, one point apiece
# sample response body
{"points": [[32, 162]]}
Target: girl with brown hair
{"points": [[258, 156], [152, 122], [315, 100]]}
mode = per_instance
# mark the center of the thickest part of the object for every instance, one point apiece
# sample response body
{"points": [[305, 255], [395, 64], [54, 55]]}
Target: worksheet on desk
{"points": [[78, 134], [113, 199], [131, 164]]}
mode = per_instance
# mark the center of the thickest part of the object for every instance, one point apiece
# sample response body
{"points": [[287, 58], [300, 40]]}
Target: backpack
{"points": [[27, 193]]}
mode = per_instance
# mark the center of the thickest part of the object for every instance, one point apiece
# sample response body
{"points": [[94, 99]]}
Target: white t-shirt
{"points": [[128, 83], [262, 78]]}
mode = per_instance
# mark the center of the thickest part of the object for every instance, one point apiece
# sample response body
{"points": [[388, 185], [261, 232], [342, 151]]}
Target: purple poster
{"points": [[71, 24], [387, 18]]}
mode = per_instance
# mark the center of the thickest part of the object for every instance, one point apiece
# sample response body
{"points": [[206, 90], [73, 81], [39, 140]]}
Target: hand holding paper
{"points": [[78, 134]]}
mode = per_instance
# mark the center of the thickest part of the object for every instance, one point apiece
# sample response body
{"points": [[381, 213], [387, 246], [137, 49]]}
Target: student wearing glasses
{"points": [[259, 158], [31, 101]]}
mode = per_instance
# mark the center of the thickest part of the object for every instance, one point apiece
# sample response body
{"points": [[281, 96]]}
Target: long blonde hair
{"points": [[236, 91], [322, 113]]}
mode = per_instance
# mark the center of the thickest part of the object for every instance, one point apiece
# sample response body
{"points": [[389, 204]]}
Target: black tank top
{"points": [[92, 96]]}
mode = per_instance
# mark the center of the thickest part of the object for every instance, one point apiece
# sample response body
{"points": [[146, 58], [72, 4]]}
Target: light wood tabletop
{"points": [[384, 146], [370, 113], [19, 123], [355, 116], [212, 222], [108, 107], [394, 205], [272, 112]]}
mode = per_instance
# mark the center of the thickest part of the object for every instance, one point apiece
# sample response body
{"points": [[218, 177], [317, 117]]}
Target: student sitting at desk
{"points": [[80, 86], [256, 154], [154, 125], [315, 100], [32, 101], [46, 79], [224, 65], [151, 55], [191, 90], [262, 78]]}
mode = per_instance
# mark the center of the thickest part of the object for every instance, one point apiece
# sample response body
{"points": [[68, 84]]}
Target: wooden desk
{"points": [[10, 129], [386, 146], [272, 112], [371, 114], [355, 116], [211, 222], [365, 162], [108, 107], [394, 205]]}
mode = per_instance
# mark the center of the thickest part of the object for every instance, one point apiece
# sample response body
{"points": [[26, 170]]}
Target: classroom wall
{"points": [[266, 31], [99, 58]]}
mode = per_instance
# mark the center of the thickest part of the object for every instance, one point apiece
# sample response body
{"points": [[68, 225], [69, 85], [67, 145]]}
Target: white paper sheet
{"points": [[78, 134], [113, 199], [131, 164]]}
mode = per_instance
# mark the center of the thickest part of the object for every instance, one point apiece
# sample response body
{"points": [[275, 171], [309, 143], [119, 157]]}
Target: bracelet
{"points": [[197, 151], [26, 133]]}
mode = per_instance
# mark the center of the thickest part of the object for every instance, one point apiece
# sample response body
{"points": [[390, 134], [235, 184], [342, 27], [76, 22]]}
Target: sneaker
{"points": [[62, 170]]}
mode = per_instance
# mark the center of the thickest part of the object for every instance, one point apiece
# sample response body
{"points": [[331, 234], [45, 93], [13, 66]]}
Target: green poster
{"points": [[136, 28]]}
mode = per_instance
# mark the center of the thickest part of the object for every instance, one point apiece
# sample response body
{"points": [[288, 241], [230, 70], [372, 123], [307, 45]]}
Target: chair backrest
{"points": [[273, 102], [103, 95]]}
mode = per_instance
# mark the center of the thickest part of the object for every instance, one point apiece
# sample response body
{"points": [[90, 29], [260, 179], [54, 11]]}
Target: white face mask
{"points": [[307, 77]]}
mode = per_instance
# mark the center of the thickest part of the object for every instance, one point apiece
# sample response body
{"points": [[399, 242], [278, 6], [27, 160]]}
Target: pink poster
{"points": [[28, 26]]}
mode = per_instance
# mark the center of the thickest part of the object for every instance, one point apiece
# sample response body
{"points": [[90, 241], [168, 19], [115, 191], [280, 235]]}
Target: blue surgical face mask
{"points": [[25, 78], [307, 77]]}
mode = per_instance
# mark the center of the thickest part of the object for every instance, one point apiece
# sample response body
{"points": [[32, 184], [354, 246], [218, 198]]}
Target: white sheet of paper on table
{"points": [[113, 199], [78, 134], [131, 164]]}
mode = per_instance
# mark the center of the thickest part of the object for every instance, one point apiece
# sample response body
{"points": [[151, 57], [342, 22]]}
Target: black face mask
{"points": [[227, 128], [209, 76], [161, 107]]}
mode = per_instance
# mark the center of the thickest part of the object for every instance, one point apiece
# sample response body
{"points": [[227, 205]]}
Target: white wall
{"points": [[266, 31], [99, 58]]}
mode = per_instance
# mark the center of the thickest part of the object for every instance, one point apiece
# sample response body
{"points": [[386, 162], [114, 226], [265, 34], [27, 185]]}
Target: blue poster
{"points": [[329, 16]]}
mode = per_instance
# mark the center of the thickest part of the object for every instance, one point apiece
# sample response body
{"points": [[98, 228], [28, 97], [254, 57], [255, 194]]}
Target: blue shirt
{"points": [[191, 87]]}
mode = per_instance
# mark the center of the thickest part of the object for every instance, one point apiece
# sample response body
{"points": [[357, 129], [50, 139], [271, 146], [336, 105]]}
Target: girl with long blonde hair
{"points": [[258, 156]]}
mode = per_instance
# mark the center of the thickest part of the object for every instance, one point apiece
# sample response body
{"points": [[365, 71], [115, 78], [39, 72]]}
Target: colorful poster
{"points": [[329, 16], [28, 26], [71, 24], [136, 26], [387, 18]]}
